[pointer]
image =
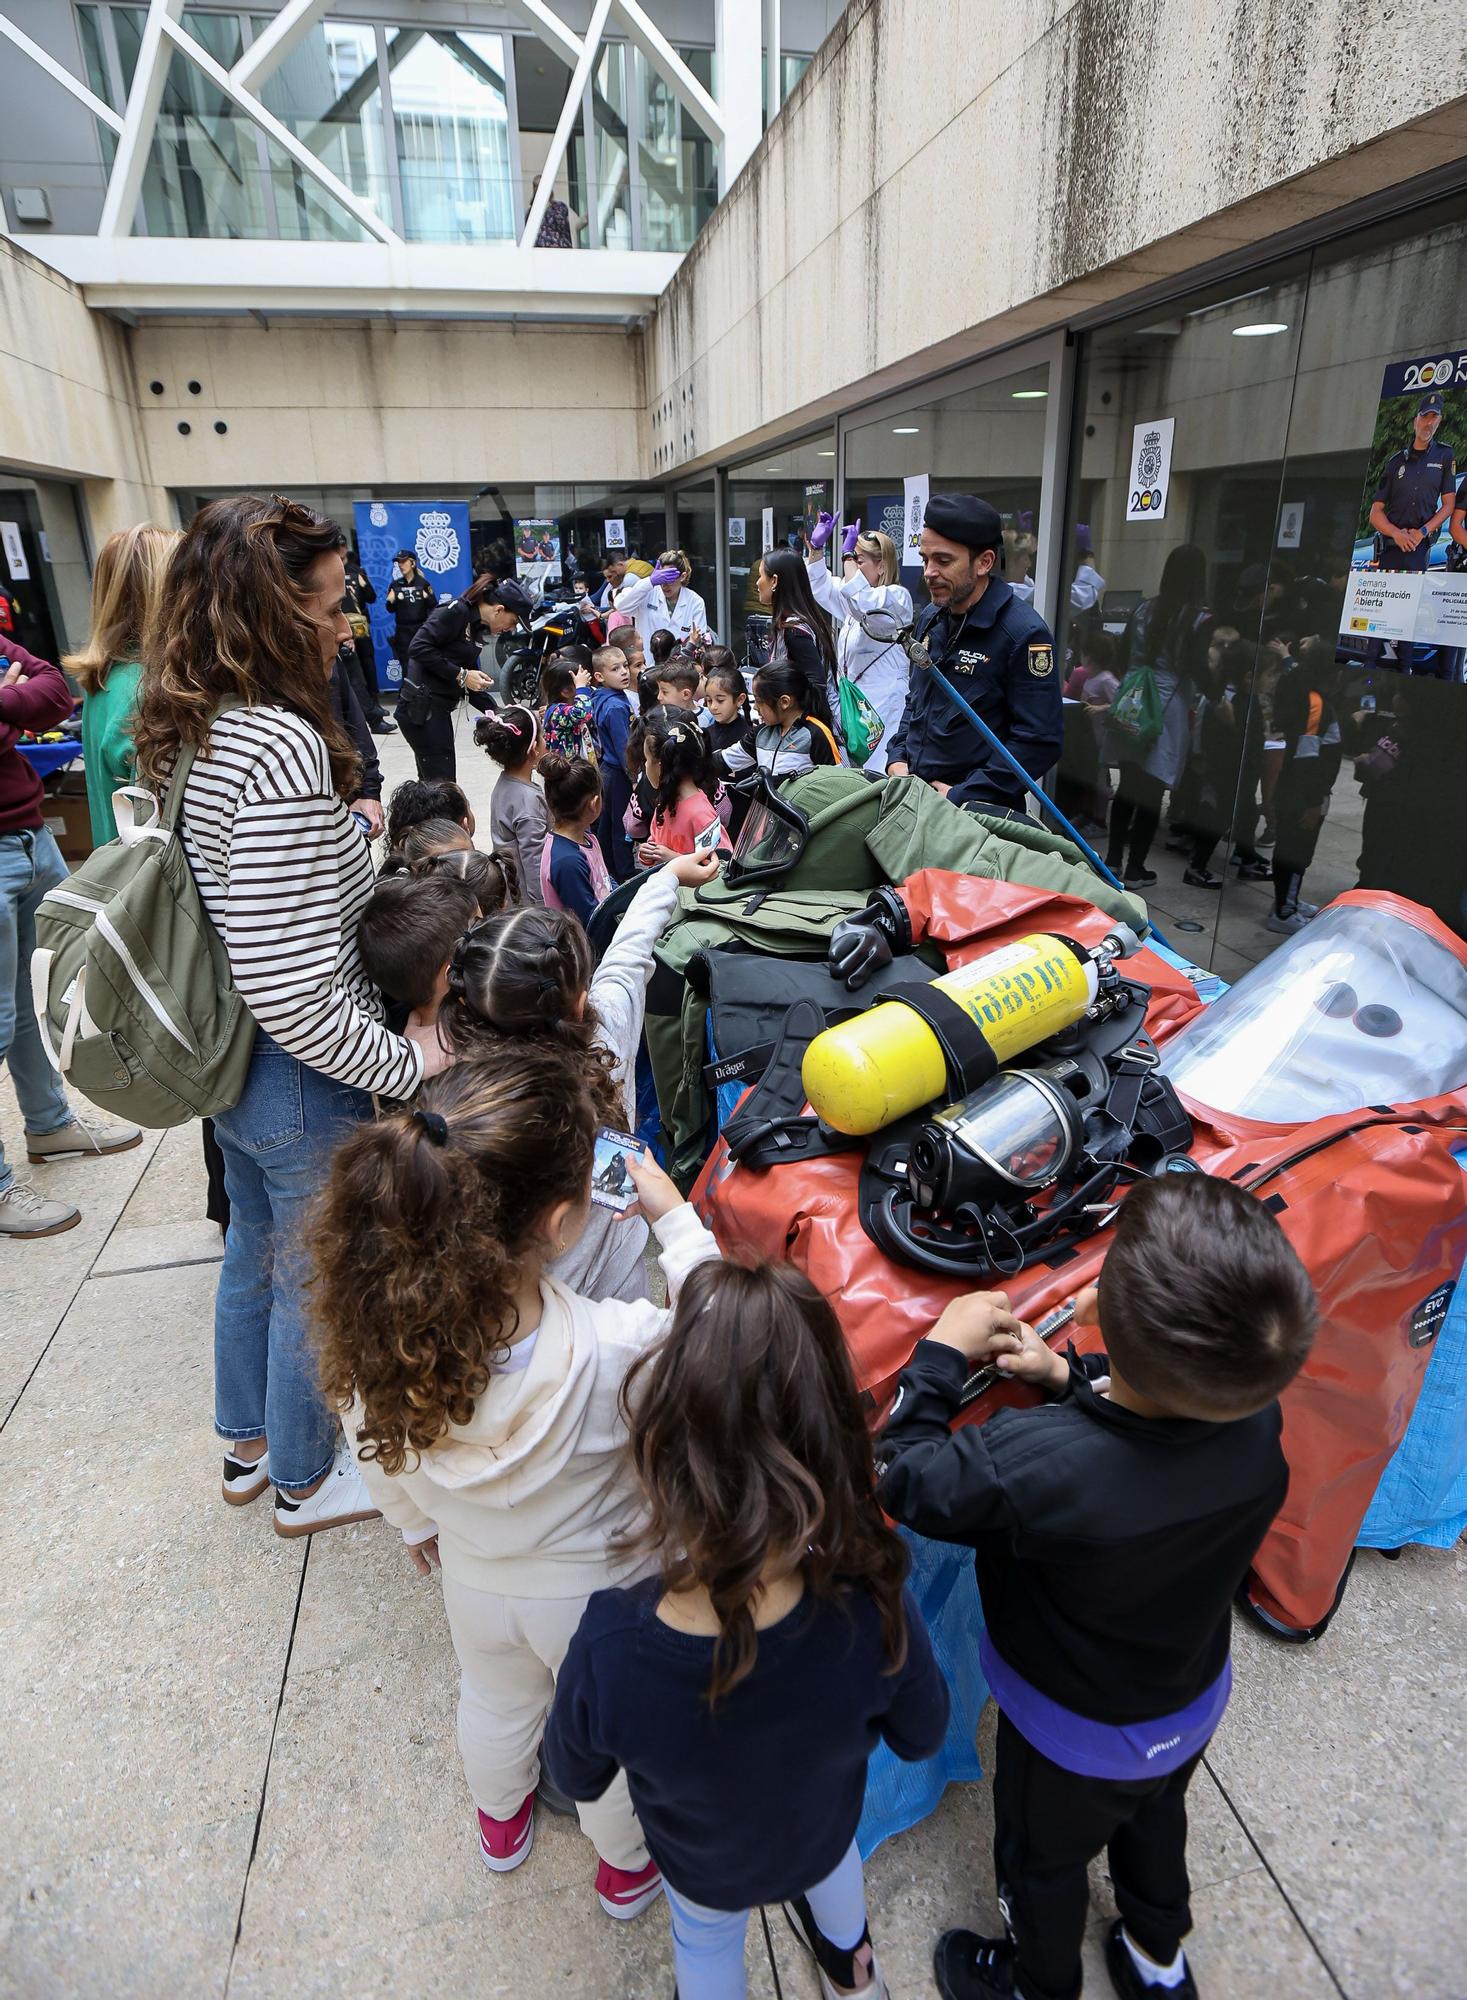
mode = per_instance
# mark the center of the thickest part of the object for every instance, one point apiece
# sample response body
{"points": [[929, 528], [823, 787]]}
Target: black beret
{"points": [[963, 517]]}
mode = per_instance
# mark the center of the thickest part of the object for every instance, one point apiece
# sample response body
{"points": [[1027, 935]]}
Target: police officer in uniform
{"points": [[1411, 505], [410, 598], [995, 650], [443, 667]]}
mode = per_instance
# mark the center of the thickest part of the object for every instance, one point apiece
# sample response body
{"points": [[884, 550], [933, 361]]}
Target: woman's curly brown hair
{"points": [[427, 1224], [524, 976], [235, 619], [747, 1436]]}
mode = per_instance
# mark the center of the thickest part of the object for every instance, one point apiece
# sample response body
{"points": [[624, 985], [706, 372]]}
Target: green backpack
{"points": [[132, 987]]}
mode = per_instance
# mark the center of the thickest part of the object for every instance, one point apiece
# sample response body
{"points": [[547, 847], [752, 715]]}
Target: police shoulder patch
{"points": [[1041, 661]]}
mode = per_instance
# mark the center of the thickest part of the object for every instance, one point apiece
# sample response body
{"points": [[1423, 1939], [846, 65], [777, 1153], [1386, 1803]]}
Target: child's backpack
{"points": [[1137, 712], [133, 992]]}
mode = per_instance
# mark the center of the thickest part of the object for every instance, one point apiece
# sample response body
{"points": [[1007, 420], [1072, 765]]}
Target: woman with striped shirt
{"points": [[252, 617]]}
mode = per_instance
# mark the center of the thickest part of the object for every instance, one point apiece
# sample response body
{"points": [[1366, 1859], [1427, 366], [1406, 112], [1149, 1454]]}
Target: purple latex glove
{"points": [[849, 539], [666, 573], [822, 531]]}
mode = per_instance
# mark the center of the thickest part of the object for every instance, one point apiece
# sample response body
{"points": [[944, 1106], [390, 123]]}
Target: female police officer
{"points": [[443, 665]]}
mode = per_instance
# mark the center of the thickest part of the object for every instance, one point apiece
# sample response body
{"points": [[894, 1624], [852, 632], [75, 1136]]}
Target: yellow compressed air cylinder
{"points": [[869, 1071]]}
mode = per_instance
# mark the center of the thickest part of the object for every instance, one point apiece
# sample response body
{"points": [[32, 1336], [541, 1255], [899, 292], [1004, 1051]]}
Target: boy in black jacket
{"points": [[1111, 1527]]}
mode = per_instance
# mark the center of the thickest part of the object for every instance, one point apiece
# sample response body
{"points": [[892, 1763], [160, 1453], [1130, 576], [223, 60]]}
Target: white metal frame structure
{"points": [[125, 271]]}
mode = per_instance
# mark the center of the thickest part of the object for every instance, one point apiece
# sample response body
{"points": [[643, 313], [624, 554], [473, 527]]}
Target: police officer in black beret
{"points": [[994, 649]]}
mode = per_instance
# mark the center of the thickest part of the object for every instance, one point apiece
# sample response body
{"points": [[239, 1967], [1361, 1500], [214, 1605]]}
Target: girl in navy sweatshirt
{"points": [[743, 1688]]}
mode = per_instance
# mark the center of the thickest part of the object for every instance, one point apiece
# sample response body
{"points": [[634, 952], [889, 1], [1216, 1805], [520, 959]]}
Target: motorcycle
{"points": [[520, 656]]}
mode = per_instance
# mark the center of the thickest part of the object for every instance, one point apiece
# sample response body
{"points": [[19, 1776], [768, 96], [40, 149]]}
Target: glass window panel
{"points": [[89, 22], [452, 132], [610, 222], [327, 94], [697, 529], [1221, 367], [676, 162], [1388, 296], [203, 176], [987, 440], [794, 482]]}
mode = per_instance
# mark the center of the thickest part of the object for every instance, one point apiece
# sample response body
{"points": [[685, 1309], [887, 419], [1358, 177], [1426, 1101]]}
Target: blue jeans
{"points": [[277, 1144], [30, 865], [708, 1945]]}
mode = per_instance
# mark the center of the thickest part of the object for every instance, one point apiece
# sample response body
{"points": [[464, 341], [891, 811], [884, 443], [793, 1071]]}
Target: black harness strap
{"points": [[970, 1061]]}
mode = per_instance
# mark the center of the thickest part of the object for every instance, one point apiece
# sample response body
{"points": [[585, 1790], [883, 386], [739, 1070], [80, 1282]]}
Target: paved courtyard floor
{"points": [[227, 1763]]}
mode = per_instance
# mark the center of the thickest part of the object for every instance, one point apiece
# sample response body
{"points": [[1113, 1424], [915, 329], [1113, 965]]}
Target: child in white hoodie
{"points": [[526, 979], [481, 1395]]}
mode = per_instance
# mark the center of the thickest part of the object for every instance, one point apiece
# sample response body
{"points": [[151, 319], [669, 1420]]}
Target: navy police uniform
{"points": [[999, 655], [1412, 487]]}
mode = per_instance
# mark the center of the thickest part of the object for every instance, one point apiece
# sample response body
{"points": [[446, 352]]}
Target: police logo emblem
{"points": [[377, 514], [1041, 662], [437, 543]]}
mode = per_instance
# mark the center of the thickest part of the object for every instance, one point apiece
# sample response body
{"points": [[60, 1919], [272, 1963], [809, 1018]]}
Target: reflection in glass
{"points": [[676, 162], [793, 484], [610, 223], [327, 93], [987, 440], [696, 531], [451, 120]]}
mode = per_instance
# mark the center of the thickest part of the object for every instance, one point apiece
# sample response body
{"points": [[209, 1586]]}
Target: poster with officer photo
{"points": [[1406, 604], [537, 555]]}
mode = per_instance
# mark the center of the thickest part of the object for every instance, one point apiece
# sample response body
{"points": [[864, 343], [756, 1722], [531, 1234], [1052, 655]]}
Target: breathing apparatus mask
{"points": [[772, 837]]}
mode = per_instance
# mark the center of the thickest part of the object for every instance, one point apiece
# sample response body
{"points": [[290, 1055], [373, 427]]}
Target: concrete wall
{"points": [[66, 395], [948, 177], [333, 404]]}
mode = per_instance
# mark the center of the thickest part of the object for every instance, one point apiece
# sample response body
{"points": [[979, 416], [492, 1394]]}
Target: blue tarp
{"points": [[1422, 1496], [898, 1795]]}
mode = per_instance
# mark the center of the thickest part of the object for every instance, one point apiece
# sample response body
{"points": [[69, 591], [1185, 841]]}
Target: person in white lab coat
{"points": [[665, 601], [877, 664], [1088, 585]]}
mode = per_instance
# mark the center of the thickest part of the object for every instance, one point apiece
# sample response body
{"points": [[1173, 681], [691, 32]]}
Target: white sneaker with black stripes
{"points": [[245, 1479], [341, 1497]]}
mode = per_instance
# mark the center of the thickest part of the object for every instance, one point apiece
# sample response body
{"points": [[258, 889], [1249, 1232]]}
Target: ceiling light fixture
{"points": [[1260, 329], [1027, 395], [905, 430]]}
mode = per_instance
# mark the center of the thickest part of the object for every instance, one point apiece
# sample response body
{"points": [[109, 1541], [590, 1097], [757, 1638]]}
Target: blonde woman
{"points": [[876, 663], [127, 587], [665, 601]]}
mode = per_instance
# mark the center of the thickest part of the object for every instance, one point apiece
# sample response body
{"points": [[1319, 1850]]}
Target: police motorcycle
{"points": [[519, 656]]}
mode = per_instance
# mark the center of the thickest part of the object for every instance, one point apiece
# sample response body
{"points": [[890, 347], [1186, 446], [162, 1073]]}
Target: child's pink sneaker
{"points": [[505, 1843], [624, 1894]]}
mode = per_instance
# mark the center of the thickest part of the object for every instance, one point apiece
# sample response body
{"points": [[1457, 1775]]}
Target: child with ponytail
{"points": [[481, 1398], [518, 818], [527, 978], [680, 772], [573, 871], [740, 1692]]}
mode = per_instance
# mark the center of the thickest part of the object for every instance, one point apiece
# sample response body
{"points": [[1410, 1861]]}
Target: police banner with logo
{"points": [[1406, 603], [437, 532]]}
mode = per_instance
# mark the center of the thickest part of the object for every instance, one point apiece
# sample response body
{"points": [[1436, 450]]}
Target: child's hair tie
{"points": [[434, 1124]]}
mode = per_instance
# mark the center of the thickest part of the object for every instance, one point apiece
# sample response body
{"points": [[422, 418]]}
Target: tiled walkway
{"points": [[227, 1762]]}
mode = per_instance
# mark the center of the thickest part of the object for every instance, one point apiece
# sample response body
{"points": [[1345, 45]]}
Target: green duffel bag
{"points": [[131, 982]]}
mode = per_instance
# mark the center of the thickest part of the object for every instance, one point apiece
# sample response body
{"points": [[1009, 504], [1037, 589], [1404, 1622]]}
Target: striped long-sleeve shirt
{"points": [[284, 874]]}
